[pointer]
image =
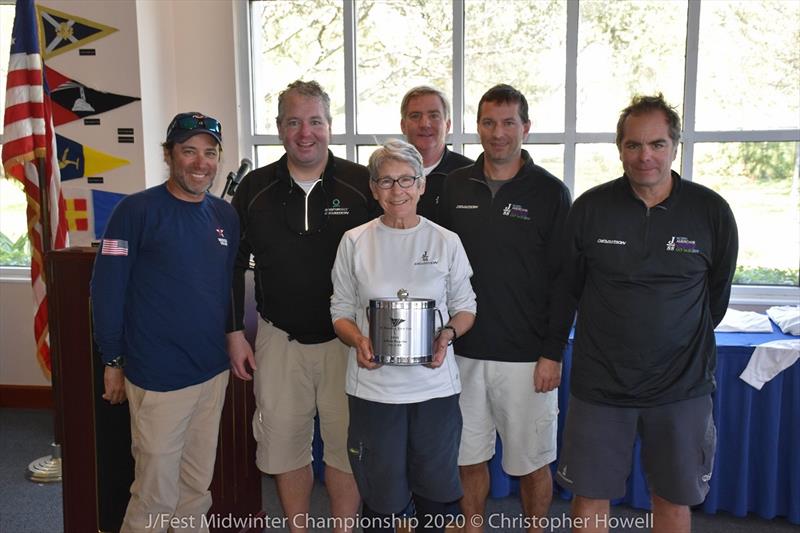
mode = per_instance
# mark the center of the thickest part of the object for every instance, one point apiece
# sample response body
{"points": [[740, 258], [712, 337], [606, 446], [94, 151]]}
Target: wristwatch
{"points": [[117, 362]]}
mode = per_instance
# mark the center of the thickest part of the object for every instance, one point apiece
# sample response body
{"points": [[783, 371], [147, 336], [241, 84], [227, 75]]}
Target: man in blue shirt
{"points": [[160, 295]]}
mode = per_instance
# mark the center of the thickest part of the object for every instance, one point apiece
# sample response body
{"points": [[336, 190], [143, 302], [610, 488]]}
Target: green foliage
{"points": [[768, 161], [14, 253], [750, 275]]}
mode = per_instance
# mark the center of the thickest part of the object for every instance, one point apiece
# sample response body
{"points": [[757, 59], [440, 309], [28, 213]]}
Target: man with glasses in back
{"points": [[293, 213], [425, 121], [509, 214], [160, 302]]}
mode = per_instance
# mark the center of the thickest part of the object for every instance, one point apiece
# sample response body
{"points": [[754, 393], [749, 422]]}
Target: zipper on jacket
{"points": [[647, 224], [305, 202]]}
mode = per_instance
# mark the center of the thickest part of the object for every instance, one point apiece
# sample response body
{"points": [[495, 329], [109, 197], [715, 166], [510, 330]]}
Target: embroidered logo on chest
{"points": [[616, 242], [426, 260], [336, 208], [221, 237], [516, 211], [682, 245]]}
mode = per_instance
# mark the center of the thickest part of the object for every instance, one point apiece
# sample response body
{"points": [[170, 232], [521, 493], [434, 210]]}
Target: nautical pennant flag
{"points": [[77, 214], [103, 204], [76, 160], [29, 155], [61, 32], [73, 100]]}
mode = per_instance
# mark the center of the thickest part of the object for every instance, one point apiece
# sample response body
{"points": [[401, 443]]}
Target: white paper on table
{"points": [[745, 322], [787, 317], [769, 360]]}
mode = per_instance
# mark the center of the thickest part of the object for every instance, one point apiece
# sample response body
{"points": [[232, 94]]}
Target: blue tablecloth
{"points": [[757, 463]]}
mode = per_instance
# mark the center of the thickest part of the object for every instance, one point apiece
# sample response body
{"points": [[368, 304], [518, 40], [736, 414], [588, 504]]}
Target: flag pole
{"points": [[47, 469]]}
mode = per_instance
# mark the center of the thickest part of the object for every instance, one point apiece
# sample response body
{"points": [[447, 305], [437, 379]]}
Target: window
{"points": [[732, 68], [14, 249]]}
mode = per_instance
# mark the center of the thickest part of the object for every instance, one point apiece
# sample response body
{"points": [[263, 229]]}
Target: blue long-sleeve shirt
{"points": [[161, 288]]}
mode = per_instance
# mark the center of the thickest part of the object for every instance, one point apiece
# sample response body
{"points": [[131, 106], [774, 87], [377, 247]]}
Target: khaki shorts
{"points": [[292, 383], [498, 397]]}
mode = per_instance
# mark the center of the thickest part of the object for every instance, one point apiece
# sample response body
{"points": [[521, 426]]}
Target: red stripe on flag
{"points": [[23, 77], [22, 150], [23, 111]]}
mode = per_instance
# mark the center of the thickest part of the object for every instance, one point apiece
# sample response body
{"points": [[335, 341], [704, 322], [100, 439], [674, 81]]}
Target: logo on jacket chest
{"points": [[221, 237], [516, 211], [336, 209], [425, 259], [682, 245]]}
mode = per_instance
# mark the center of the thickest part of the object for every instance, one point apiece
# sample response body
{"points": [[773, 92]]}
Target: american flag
{"points": [[29, 155], [114, 247]]}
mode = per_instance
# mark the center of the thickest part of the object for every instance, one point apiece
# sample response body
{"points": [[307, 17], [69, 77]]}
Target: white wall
{"points": [[186, 52]]}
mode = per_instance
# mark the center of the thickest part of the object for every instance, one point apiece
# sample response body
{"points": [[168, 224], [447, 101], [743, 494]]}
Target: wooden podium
{"points": [[97, 467]]}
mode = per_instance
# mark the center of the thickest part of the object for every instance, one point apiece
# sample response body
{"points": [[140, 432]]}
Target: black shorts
{"points": [[399, 449], [678, 443]]}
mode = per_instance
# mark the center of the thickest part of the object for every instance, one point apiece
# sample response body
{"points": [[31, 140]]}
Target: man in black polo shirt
{"points": [[425, 121], [293, 213], [509, 214], [650, 263]]}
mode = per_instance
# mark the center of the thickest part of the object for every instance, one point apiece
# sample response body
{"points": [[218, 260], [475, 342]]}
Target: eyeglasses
{"points": [[193, 122], [403, 181]]}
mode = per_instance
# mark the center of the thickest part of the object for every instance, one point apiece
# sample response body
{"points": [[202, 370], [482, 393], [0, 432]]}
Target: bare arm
{"points": [[461, 322], [348, 332]]}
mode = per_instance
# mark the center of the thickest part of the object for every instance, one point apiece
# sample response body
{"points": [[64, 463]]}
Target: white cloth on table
{"points": [[744, 321], [769, 360], [787, 317]]}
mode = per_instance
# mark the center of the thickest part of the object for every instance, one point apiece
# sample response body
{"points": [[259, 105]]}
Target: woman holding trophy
{"points": [[405, 423]]}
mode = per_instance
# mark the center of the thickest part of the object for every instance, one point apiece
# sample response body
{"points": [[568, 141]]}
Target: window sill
{"points": [[764, 295], [15, 274]]}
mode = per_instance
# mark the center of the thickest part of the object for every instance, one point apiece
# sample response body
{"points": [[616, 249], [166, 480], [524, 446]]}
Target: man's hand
{"points": [[241, 355], [114, 384], [547, 375]]}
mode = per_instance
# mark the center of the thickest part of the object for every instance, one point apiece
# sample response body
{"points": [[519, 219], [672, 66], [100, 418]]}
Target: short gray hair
{"points": [[422, 90], [310, 89], [396, 150]]}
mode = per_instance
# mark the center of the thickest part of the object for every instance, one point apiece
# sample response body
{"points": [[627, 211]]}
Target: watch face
{"points": [[117, 362]]}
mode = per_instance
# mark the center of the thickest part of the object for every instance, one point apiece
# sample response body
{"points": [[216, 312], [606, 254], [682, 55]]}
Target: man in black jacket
{"points": [[293, 213], [425, 121], [650, 259], [509, 214]]}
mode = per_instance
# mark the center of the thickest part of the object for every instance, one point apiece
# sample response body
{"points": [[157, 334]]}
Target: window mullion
{"points": [[350, 82], [571, 95], [690, 88], [457, 100]]}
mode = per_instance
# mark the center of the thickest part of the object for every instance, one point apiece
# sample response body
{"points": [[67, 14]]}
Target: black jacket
{"points": [[293, 239], [650, 285], [512, 242], [428, 205]]}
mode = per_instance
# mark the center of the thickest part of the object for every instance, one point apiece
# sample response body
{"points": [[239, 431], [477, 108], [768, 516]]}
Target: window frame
{"points": [[569, 138]]}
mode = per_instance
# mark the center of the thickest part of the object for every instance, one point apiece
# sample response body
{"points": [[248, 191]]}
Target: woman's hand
{"points": [[440, 343], [364, 353]]}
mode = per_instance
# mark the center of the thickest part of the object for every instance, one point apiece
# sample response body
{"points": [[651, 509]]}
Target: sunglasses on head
{"points": [[194, 122]]}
